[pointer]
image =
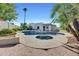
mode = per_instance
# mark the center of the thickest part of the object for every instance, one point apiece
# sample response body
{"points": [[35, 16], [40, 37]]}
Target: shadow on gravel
{"points": [[71, 49], [7, 46]]}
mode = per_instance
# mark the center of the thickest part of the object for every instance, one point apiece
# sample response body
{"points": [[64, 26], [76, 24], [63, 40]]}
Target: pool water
{"points": [[40, 33], [43, 37]]}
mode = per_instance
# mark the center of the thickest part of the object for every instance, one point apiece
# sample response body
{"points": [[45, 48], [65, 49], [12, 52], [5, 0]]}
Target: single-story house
{"points": [[43, 27]]}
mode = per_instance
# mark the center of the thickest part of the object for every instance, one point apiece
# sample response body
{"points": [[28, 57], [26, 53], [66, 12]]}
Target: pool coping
{"points": [[24, 39]]}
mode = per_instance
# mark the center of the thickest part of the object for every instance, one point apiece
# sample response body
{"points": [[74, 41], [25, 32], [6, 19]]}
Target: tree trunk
{"points": [[24, 16], [76, 25], [73, 32], [8, 25]]}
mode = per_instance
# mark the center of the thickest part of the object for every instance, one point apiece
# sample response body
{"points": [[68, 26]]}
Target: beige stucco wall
{"points": [[34, 25], [50, 26], [4, 25]]}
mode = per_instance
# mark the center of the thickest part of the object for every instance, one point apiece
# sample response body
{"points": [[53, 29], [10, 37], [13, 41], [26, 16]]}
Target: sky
{"points": [[37, 12]]}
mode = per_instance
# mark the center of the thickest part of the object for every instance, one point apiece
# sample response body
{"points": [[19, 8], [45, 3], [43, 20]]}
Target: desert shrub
{"points": [[29, 28], [5, 32], [16, 29], [23, 26]]}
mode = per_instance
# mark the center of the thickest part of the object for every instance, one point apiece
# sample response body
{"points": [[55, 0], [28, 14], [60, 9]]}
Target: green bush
{"points": [[23, 26], [5, 32], [16, 29]]}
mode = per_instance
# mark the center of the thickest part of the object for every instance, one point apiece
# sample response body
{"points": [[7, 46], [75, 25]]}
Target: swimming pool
{"points": [[41, 33], [42, 40]]}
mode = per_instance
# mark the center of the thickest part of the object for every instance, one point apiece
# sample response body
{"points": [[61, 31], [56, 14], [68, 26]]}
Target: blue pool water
{"points": [[41, 33], [44, 37]]}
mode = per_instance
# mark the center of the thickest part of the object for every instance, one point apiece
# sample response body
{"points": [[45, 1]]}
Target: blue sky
{"points": [[37, 12]]}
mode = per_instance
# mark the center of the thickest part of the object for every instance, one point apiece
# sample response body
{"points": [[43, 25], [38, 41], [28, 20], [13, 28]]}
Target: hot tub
{"points": [[44, 37]]}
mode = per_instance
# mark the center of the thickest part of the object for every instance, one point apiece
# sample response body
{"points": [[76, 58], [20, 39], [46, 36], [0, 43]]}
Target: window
{"points": [[43, 28], [37, 27], [47, 27]]}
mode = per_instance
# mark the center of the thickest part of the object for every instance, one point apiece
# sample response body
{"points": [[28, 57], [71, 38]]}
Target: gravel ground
{"points": [[21, 50]]}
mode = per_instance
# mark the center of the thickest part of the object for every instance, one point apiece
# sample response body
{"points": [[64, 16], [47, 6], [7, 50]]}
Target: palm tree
{"points": [[24, 25], [63, 17], [25, 9], [67, 14]]}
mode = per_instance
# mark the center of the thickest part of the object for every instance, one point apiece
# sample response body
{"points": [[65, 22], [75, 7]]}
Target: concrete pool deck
{"points": [[32, 41]]}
